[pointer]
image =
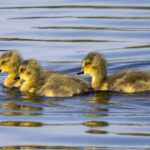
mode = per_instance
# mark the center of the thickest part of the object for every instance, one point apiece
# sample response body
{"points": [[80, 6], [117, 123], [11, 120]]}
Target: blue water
{"points": [[59, 34]]}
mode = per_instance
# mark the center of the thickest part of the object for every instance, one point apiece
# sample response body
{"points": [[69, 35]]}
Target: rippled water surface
{"points": [[59, 34]]}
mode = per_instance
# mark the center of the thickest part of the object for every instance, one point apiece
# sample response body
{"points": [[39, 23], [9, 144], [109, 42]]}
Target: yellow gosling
{"points": [[127, 81], [50, 84], [9, 63], [94, 65]]}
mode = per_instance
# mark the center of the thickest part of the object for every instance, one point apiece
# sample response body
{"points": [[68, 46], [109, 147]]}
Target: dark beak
{"points": [[80, 72], [0, 70], [17, 77]]}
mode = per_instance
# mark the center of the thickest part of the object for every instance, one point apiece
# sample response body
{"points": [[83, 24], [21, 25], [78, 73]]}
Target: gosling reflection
{"points": [[96, 124], [11, 106], [18, 109], [101, 98], [19, 114], [46, 147], [20, 124], [96, 132], [15, 93]]}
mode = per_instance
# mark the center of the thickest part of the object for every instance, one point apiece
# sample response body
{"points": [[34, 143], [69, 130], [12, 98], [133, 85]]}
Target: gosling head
{"points": [[29, 70], [94, 64], [10, 62]]}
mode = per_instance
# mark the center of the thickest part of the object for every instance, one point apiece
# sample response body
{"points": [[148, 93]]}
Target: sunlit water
{"points": [[59, 34]]}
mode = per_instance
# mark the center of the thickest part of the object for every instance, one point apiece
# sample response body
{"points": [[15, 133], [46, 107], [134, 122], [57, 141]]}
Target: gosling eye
{"points": [[3, 62], [86, 63], [28, 73], [22, 70]]}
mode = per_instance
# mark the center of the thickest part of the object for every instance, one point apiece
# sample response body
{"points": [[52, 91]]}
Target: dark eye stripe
{"points": [[86, 63], [22, 69], [3, 62]]}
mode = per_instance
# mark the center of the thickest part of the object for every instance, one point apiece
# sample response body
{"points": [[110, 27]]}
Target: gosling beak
{"points": [[80, 72], [0, 70], [17, 77]]}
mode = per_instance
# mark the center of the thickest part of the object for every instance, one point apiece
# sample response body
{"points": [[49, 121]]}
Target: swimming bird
{"points": [[9, 63], [50, 84], [130, 81]]}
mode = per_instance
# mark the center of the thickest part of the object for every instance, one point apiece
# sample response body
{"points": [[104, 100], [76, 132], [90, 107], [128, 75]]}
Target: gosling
{"points": [[130, 81], [51, 84], [9, 63]]}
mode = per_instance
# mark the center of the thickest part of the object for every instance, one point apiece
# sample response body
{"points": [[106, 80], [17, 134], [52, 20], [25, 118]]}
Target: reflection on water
{"points": [[20, 124], [50, 147], [96, 132], [11, 106], [24, 110], [94, 124], [59, 35]]}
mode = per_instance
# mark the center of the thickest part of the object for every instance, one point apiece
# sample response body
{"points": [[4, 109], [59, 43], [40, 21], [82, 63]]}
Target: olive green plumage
{"points": [[127, 81], [9, 63], [50, 83]]}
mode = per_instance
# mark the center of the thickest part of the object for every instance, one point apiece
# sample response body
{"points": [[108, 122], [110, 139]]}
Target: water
{"points": [[60, 34]]}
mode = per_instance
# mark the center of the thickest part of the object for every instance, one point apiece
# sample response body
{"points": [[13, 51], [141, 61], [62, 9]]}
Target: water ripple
{"points": [[59, 35]]}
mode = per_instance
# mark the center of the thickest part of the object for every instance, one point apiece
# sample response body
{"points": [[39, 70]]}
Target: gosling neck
{"points": [[9, 81], [12, 74], [30, 85], [98, 81]]}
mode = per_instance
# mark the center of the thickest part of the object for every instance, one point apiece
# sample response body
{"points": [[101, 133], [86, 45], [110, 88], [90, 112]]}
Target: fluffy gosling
{"points": [[51, 84], [9, 63], [127, 81]]}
